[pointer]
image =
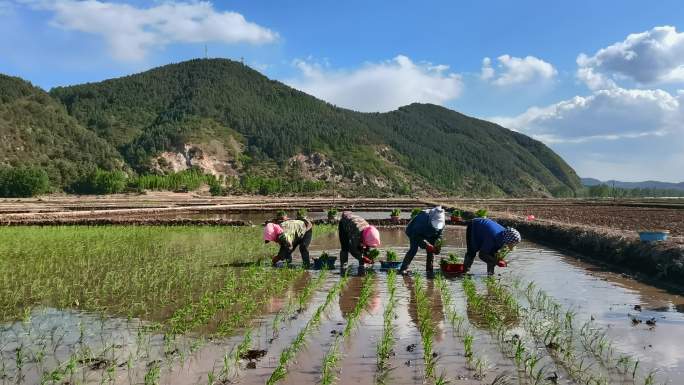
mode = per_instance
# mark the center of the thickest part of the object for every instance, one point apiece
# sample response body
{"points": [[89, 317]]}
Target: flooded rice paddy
{"points": [[621, 331]]}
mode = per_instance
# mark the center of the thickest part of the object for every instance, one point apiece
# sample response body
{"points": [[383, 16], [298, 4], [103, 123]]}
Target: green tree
{"points": [[23, 182]]}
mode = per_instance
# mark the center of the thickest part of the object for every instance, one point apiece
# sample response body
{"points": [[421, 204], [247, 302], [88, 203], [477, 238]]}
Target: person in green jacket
{"points": [[290, 234]]}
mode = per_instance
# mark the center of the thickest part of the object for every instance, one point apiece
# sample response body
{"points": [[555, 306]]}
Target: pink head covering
{"points": [[370, 236], [272, 231]]}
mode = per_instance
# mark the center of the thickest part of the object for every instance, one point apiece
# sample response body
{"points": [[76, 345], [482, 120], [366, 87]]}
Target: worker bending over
{"points": [[491, 241], [357, 238], [290, 234]]}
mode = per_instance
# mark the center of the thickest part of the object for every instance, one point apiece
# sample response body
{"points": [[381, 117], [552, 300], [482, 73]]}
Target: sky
{"points": [[600, 82]]}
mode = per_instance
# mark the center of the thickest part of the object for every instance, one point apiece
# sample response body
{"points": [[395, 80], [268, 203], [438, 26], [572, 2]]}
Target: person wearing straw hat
{"points": [[357, 238], [490, 241], [290, 234], [424, 231]]}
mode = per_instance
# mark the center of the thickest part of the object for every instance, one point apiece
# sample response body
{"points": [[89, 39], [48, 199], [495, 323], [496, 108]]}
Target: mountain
{"points": [[230, 120], [649, 184], [35, 130]]}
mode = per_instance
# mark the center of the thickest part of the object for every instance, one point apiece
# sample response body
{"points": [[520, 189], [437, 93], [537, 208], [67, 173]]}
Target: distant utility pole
{"points": [[206, 52], [242, 60]]}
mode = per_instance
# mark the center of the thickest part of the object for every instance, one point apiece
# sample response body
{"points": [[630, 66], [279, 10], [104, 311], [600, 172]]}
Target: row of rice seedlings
{"points": [[298, 303], [262, 281], [425, 326], [526, 359], [332, 358], [231, 361], [136, 271], [459, 324], [560, 331], [385, 347], [289, 353]]}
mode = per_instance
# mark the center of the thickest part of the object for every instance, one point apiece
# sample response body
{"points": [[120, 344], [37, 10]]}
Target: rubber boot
{"points": [[362, 270]]}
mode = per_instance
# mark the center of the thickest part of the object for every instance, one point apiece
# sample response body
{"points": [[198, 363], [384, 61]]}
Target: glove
{"points": [[366, 260], [502, 263], [275, 259], [430, 249]]}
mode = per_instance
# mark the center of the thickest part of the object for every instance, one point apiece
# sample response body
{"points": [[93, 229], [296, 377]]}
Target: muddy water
{"points": [[263, 216], [610, 299], [607, 297], [591, 291]]}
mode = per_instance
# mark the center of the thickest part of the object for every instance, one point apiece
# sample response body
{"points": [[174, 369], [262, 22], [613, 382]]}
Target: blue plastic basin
{"points": [[653, 236], [328, 263], [390, 265]]}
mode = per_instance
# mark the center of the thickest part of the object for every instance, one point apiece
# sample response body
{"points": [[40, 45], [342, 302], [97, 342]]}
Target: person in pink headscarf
{"points": [[357, 238], [290, 234]]}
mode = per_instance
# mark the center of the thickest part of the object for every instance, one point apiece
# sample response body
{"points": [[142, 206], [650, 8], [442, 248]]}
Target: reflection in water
{"points": [[437, 310], [586, 288], [349, 296]]}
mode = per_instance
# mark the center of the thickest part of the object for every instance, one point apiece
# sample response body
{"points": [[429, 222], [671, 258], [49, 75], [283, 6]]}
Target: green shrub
{"points": [[187, 180], [215, 189], [395, 212], [481, 213], [101, 182], [415, 212], [23, 182]]}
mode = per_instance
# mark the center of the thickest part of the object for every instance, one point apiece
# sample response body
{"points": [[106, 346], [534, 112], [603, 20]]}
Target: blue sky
{"points": [[598, 81]]}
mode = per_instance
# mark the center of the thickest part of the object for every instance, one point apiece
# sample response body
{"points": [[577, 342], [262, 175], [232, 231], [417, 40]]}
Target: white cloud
{"points": [[515, 70], [652, 57], [630, 134], [381, 86], [606, 114], [131, 32], [487, 70]]}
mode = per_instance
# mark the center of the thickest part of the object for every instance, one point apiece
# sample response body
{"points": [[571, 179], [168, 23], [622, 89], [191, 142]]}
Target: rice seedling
{"points": [[457, 322], [577, 349], [176, 279], [425, 326], [132, 271], [289, 353], [385, 346], [331, 359], [330, 362]]}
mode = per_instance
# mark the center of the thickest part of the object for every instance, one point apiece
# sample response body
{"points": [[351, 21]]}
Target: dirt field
{"points": [[625, 218]]}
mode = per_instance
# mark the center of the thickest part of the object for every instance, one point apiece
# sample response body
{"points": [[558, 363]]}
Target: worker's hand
{"points": [[366, 260], [430, 248], [502, 263]]}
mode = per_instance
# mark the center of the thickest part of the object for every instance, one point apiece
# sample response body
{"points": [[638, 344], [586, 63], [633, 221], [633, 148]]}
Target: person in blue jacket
{"points": [[491, 241], [424, 230]]}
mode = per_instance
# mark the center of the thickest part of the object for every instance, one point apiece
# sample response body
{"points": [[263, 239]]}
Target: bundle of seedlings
{"points": [[391, 260], [452, 264]]}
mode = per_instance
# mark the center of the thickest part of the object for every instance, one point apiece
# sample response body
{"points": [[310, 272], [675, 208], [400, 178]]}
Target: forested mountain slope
{"points": [[35, 130], [228, 119]]}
